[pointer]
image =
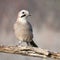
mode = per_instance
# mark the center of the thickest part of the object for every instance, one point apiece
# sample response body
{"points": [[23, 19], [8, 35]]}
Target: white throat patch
{"points": [[22, 20]]}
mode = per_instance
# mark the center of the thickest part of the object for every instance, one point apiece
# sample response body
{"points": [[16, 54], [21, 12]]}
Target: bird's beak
{"points": [[29, 14]]}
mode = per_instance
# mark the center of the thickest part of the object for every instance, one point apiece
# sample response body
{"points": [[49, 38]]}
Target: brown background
{"points": [[45, 20]]}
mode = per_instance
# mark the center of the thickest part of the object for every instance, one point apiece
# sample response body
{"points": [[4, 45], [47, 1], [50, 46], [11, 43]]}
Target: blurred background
{"points": [[45, 21]]}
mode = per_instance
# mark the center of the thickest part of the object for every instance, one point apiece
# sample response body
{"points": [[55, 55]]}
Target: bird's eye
{"points": [[23, 12]]}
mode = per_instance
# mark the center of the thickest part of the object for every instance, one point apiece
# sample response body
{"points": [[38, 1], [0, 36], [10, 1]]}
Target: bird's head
{"points": [[23, 14]]}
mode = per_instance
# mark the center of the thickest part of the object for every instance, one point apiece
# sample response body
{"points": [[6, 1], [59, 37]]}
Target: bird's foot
{"points": [[19, 44]]}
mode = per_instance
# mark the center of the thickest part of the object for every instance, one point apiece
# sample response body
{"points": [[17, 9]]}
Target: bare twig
{"points": [[29, 51]]}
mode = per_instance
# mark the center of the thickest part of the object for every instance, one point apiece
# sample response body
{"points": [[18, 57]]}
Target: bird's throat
{"points": [[22, 20]]}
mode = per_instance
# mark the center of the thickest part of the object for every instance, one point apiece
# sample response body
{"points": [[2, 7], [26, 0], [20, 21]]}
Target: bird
{"points": [[23, 29]]}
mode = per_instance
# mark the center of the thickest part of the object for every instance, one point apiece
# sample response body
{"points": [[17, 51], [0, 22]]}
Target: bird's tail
{"points": [[33, 44]]}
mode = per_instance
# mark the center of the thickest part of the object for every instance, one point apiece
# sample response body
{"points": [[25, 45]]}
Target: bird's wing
{"points": [[30, 27]]}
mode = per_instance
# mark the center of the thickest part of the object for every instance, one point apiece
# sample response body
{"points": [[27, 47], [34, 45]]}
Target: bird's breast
{"points": [[23, 32]]}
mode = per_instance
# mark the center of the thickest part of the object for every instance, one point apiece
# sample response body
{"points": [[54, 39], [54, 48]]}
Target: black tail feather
{"points": [[33, 44]]}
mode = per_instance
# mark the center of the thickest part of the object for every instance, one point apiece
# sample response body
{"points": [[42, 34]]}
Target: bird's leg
{"points": [[19, 44], [28, 44]]}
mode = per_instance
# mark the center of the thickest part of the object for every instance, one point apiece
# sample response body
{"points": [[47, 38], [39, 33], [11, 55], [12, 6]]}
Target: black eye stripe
{"points": [[23, 15]]}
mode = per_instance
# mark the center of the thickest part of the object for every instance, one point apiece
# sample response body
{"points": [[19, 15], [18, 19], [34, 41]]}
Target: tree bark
{"points": [[29, 51]]}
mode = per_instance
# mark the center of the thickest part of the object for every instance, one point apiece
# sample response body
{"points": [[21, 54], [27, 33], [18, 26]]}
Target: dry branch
{"points": [[29, 51]]}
